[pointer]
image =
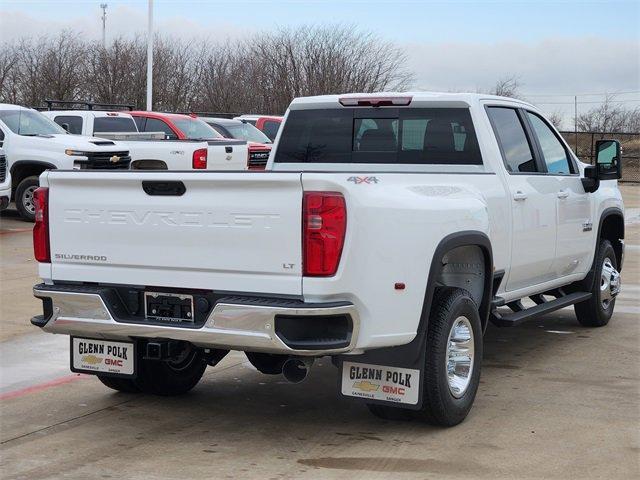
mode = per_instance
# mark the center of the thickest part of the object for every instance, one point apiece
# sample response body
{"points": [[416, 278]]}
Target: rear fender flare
{"points": [[412, 355]]}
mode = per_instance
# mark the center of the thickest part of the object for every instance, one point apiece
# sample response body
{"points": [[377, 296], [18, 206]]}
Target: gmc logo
{"points": [[393, 390]]}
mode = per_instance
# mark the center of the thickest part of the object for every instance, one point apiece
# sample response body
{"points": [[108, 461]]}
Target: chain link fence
{"points": [[584, 144]]}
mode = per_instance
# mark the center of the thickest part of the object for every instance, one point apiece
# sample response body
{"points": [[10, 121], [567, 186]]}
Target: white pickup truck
{"points": [[5, 181], [150, 153], [390, 230], [32, 144]]}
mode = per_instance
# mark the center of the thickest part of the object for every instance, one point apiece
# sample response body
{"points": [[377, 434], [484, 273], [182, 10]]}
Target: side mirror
{"points": [[65, 126], [590, 182], [608, 159]]}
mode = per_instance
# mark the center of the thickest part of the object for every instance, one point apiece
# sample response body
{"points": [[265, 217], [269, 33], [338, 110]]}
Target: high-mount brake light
{"points": [[324, 222], [199, 159], [41, 250], [375, 101]]}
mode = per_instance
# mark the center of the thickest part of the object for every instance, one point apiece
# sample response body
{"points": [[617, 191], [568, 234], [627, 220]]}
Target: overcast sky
{"points": [[557, 49]]}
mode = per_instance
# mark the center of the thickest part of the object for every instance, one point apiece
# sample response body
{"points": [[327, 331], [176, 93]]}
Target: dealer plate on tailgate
{"points": [[168, 307], [102, 356], [377, 382]]}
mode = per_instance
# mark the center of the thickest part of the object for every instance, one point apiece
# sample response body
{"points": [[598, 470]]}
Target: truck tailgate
{"points": [[228, 231]]}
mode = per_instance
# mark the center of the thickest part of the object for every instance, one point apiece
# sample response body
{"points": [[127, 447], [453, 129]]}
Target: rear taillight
{"points": [[199, 159], [41, 249], [324, 222]]}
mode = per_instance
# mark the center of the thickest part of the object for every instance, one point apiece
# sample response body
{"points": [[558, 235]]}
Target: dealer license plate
{"points": [[102, 357], [377, 382]]}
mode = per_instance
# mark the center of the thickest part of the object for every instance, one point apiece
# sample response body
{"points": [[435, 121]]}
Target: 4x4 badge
{"points": [[367, 180]]}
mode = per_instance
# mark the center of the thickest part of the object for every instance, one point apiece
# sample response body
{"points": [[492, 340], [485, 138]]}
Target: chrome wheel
{"points": [[27, 199], [460, 356], [609, 283]]}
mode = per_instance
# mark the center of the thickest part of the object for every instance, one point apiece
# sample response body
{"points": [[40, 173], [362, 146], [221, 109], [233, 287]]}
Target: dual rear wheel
{"points": [[452, 362]]}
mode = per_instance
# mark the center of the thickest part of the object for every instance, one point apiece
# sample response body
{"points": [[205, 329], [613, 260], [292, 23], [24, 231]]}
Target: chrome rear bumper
{"points": [[234, 326]]}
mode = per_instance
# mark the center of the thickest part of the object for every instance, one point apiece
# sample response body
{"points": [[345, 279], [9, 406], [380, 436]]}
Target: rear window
{"points": [[74, 123], [113, 125], [403, 136]]}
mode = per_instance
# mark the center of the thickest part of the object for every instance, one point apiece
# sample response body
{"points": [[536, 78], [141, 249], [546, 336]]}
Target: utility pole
{"points": [[103, 6], [150, 59]]}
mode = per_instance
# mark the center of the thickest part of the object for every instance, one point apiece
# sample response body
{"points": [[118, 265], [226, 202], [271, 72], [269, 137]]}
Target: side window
{"points": [[1, 137], [155, 125], [554, 153], [270, 129], [74, 123], [516, 149]]}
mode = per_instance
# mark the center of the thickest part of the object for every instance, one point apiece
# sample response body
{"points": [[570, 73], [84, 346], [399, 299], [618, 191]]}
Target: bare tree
{"points": [[610, 116], [8, 71], [508, 86], [556, 118], [260, 74], [117, 73]]}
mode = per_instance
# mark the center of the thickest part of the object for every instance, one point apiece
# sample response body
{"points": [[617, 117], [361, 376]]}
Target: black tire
{"points": [[267, 363], [592, 312], [120, 384], [169, 378], [440, 406], [24, 197]]}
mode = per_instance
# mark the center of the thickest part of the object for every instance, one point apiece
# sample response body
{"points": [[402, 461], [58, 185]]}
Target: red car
{"points": [[175, 126], [267, 124]]}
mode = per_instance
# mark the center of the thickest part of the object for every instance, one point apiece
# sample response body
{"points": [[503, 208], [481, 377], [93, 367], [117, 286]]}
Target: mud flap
{"points": [[387, 376]]}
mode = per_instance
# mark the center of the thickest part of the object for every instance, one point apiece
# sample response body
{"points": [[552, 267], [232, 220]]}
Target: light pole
{"points": [[103, 6], [150, 59]]}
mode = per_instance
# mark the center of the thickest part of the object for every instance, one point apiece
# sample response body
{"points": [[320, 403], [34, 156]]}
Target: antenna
{"points": [[104, 6]]}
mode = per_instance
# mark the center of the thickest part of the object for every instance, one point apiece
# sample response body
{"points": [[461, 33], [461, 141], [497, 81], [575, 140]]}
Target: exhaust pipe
{"points": [[295, 369]]}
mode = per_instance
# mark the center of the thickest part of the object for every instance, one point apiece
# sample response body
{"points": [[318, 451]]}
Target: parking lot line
{"points": [[42, 386]]}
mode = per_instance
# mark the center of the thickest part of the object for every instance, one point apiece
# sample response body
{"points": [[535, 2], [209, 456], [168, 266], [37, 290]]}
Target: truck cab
{"points": [[92, 122]]}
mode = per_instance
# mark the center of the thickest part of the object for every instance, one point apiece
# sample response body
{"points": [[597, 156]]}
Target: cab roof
{"points": [[401, 99]]}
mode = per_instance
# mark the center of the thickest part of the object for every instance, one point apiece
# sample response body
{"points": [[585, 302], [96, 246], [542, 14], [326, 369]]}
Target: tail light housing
{"points": [[199, 159], [41, 249], [324, 222]]}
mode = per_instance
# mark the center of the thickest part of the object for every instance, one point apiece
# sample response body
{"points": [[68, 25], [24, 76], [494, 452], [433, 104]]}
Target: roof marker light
{"points": [[375, 101]]}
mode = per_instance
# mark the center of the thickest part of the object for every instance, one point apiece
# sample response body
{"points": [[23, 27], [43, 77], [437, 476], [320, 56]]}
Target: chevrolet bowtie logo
{"points": [[91, 359], [114, 159], [366, 386]]}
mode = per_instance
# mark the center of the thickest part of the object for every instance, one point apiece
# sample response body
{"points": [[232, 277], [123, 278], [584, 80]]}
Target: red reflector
{"points": [[200, 159], [375, 101], [41, 250], [324, 222]]}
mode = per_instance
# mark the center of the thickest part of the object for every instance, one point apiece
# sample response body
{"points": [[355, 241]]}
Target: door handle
{"points": [[519, 196], [169, 188], [563, 194]]}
